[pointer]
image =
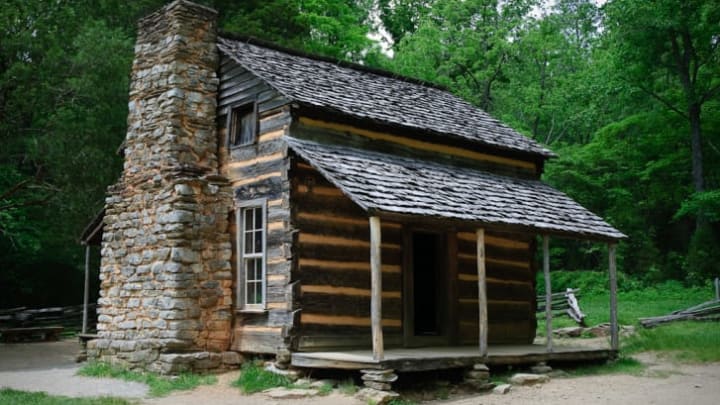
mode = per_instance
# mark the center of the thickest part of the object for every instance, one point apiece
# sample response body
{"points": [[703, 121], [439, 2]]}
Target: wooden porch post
{"points": [[482, 293], [376, 288], [614, 340], [86, 292], [548, 293]]}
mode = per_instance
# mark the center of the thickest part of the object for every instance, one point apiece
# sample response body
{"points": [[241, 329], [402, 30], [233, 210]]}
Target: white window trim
{"points": [[241, 291]]}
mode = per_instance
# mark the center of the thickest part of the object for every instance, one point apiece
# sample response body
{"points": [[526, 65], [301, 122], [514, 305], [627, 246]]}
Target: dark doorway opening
{"points": [[426, 283]]}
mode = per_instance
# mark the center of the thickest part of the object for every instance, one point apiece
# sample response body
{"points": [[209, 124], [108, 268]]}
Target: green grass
{"points": [[13, 397], [325, 389], [253, 378], [347, 387], [623, 365], [159, 385], [683, 341]]}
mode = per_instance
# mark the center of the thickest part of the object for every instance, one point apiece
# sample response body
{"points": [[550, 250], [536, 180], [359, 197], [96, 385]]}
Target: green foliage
{"points": [[325, 389], [327, 27], [683, 341], [254, 378], [701, 263], [13, 397], [589, 282], [463, 45], [347, 387], [635, 299], [159, 385]]}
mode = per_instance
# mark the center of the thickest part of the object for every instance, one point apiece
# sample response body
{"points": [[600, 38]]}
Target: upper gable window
{"points": [[243, 124]]}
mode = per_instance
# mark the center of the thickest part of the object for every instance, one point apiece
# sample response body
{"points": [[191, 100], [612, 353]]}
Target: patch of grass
{"points": [[13, 397], [325, 389], [159, 385], [401, 401], [684, 341], [623, 365], [347, 387], [253, 378]]}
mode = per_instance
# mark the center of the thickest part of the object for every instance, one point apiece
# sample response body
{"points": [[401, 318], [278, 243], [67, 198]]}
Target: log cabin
{"points": [[325, 213]]}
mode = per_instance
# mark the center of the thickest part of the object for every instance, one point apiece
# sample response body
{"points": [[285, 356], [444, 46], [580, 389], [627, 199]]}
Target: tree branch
{"points": [[659, 98]]}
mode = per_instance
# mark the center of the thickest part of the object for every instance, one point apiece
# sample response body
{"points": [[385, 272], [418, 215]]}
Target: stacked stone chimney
{"points": [[166, 279]]}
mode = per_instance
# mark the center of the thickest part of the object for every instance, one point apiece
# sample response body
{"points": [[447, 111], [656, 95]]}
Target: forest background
{"points": [[626, 92]]}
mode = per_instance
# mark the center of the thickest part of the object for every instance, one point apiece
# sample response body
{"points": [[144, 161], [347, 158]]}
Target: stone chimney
{"points": [[166, 279]]}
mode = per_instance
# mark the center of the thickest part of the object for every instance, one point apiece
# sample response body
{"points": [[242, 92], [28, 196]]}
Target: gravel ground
{"points": [[51, 367]]}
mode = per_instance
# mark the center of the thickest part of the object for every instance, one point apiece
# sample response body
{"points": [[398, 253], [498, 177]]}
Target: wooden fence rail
{"points": [[563, 303]]}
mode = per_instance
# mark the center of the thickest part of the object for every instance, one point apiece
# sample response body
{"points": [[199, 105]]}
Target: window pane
{"points": [[249, 242], [251, 294], [247, 129], [248, 222], [258, 241], [258, 218], [259, 293]]}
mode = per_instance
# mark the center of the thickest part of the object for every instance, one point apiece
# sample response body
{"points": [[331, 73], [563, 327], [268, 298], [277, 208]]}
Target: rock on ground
{"points": [[375, 396], [528, 379]]}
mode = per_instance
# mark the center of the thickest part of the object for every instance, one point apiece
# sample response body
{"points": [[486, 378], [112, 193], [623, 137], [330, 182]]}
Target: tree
{"points": [[464, 45], [669, 50], [333, 28]]}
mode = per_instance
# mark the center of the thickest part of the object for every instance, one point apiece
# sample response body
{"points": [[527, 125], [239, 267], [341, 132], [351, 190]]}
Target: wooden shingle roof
{"points": [[388, 184], [375, 97]]}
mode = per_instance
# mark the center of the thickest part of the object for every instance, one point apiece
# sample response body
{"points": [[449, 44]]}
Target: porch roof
{"points": [[393, 185]]}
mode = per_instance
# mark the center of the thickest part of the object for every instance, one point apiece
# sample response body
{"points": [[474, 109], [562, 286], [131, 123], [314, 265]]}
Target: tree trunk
{"points": [[696, 147]]}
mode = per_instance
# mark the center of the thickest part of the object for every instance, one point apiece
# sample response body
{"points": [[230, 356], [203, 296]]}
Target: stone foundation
{"points": [[166, 277]]}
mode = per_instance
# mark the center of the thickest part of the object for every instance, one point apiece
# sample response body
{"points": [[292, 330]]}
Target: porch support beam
{"points": [[86, 291], [376, 288], [482, 293], [612, 269], [548, 293]]}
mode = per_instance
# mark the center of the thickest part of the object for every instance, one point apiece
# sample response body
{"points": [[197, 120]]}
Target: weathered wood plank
{"points": [[376, 287], [482, 296], [308, 126], [612, 270], [348, 305], [345, 320]]}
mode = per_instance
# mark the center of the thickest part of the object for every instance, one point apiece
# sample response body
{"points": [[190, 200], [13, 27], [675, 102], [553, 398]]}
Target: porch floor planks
{"points": [[436, 358]]}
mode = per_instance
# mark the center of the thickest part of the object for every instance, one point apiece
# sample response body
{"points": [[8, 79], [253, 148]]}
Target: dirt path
{"points": [[661, 383], [51, 367]]}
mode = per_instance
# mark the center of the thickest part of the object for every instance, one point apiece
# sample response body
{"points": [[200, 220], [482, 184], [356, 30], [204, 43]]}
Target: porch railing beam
{"points": [[612, 269], [376, 288], [548, 293], [482, 293]]}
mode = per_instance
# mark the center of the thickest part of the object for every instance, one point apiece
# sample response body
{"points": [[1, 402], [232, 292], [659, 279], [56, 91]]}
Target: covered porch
{"points": [[436, 196], [446, 357]]}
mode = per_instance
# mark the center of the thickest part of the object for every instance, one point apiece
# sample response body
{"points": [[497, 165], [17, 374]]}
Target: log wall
{"points": [[260, 171], [408, 144], [510, 284], [333, 267]]}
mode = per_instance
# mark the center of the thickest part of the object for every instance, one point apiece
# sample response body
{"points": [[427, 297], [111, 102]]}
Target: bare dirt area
{"points": [[50, 367], [663, 382]]}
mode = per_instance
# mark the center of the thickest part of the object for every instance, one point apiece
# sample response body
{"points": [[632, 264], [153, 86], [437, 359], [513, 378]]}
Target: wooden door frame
{"points": [[447, 299]]}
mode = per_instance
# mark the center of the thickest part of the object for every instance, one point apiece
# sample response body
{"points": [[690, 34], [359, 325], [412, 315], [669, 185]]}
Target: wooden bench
{"points": [[22, 334]]}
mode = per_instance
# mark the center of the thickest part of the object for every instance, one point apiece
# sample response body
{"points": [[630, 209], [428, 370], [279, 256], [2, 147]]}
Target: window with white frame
{"points": [[251, 257]]}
